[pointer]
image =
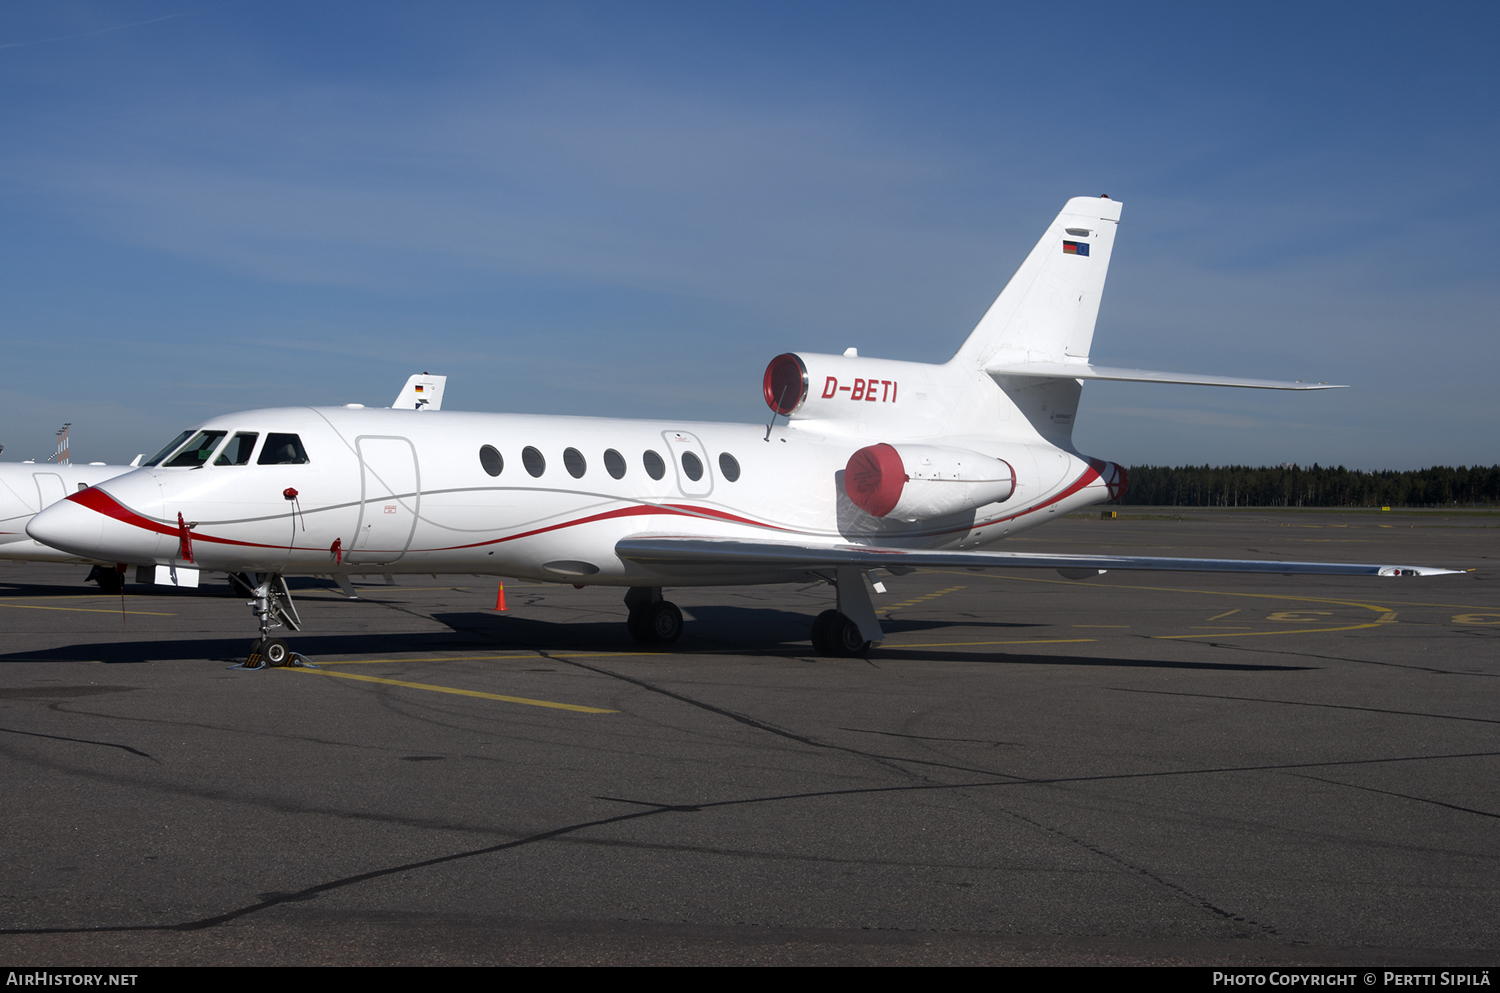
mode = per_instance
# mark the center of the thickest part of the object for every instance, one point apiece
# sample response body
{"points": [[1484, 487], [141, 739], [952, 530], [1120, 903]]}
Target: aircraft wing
{"points": [[666, 551], [1083, 370]]}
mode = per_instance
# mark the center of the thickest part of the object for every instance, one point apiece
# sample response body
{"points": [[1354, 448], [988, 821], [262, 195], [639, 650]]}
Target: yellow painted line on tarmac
{"points": [[1225, 614], [72, 596], [86, 610], [84, 661], [458, 692], [962, 644], [497, 658], [921, 599]]}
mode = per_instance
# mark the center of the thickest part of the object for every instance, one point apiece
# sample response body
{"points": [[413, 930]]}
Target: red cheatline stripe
{"points": [[673, 509], [724, 515], [97, 500]]}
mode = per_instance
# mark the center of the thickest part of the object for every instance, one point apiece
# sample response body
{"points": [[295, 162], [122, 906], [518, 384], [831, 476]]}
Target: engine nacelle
{"points": [[1116, 479], [892, 397], [920, 482]]}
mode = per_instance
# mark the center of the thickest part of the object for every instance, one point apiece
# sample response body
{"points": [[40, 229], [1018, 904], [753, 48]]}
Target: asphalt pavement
{"points": [[1140, 768]]}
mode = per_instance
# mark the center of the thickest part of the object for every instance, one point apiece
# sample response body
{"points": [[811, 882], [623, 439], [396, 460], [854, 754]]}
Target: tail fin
{"points": [[421, 392], [1046, 312]]}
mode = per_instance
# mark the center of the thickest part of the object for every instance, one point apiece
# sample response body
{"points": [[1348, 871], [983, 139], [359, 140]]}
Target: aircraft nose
{"points": [[70, 527], [94, 524]]}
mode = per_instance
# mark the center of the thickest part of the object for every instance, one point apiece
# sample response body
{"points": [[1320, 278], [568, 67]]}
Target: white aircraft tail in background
{"points": [[421, 392]]}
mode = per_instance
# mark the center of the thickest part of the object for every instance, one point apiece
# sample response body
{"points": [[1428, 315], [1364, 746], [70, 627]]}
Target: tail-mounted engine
{"points": [[1116, 480], [896, 398], [785, 383], [920, 482]]}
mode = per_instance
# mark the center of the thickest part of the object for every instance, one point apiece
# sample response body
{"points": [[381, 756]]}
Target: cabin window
{"points": [[197, 451], [614, 463], [237, 452], [729, 466], [692, 465], [533, 461], [491, 460], [169, 449], [573, 461], [655, 467], [282, 449]]}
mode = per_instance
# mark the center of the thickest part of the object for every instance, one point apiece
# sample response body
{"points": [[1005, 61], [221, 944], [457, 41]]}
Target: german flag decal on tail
{"points": [[1075, 248]]}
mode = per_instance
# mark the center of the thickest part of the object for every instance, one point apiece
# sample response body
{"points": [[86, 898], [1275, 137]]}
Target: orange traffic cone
{"points": [[500, 597]]}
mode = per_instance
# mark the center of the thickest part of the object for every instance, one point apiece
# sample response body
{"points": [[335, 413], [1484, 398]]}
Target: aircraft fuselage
{"points": [[417, 492]]}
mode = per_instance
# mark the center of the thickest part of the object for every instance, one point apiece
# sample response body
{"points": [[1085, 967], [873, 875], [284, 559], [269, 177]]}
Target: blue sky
{"points": [[628, 209]]}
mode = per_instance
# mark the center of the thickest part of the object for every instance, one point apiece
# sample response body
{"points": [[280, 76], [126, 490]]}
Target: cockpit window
{"points": [[237, 452], [197, 451], [169, 449], [282, 449]]}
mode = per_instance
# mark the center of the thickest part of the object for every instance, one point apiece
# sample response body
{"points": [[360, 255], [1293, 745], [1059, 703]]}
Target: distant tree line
{"points": [[1295, 486]]}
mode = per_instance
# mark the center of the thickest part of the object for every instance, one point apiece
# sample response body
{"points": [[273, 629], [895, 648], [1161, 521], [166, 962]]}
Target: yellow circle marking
{"points": [[1387, 616]]}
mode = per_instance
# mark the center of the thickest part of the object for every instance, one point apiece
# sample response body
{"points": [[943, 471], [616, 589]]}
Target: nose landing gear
{"points": [[271, 603]]}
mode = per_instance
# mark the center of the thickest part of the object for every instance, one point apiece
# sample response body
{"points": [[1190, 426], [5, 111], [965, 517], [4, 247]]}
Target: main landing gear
{"points": [[653, 621], [851, 629], [271, 602], [836, 636]]}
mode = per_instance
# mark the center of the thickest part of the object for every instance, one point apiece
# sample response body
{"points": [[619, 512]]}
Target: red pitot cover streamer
{"points": [[184, 540]]}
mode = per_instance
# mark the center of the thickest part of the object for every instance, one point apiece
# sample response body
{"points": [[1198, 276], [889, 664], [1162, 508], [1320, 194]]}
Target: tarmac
{"points": [[1143, 768]]}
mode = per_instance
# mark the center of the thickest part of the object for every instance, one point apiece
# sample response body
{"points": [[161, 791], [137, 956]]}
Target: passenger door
{"points": [[390, 499]]}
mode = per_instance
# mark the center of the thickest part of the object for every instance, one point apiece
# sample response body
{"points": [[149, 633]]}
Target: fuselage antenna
{"points": [[774, 411]]}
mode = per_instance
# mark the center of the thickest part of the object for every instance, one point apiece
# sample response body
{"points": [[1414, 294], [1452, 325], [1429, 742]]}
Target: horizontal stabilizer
{"points": [[1083, 370], [665, 551]]}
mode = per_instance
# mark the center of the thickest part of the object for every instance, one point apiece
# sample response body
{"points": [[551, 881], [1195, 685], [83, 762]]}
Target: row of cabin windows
{"points": [[280, 449], [614, 463]]}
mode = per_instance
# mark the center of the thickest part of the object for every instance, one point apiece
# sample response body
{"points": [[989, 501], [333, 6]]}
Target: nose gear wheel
{"points": [[271, 603]]}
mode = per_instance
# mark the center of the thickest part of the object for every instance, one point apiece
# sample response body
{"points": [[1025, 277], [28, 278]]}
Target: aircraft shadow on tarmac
{"points": [[748, 629], [715, 628], [763, 623], [545, 637], [210, 588]]}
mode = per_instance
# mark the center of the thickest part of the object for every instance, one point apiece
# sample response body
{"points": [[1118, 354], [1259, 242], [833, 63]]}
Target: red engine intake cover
{"points": [[874, 478], [785, 383]]}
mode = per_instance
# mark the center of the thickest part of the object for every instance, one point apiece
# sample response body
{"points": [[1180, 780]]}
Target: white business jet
{"points": [[874, 465], [26, 488]]}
